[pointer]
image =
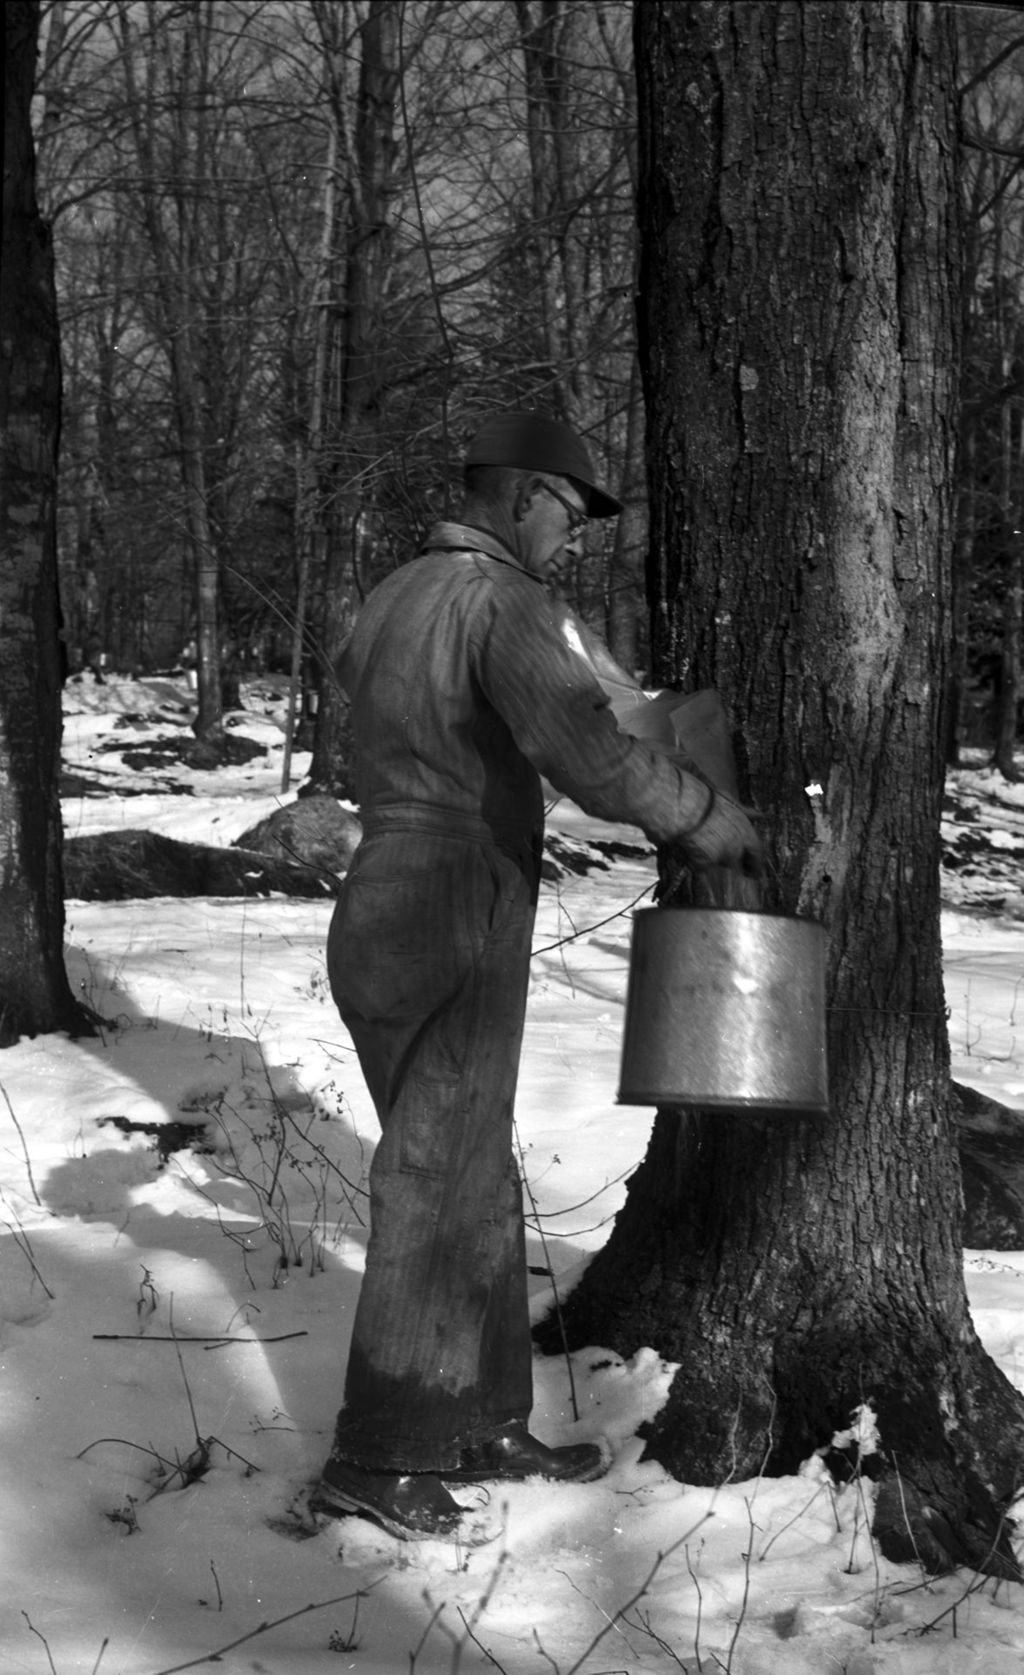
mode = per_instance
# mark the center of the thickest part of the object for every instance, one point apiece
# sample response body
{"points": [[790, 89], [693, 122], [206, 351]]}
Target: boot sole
{"points": [[334, 1504], [583, 1474]]}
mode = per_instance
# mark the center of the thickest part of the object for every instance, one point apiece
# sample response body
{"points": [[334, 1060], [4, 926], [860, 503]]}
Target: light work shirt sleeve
{"points": [[558, 715]]}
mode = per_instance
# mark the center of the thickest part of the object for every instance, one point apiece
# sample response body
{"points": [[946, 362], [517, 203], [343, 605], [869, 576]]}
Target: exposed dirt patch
{"points": [[233, 751], [168, 1137], [82, 785], [121, 866]]}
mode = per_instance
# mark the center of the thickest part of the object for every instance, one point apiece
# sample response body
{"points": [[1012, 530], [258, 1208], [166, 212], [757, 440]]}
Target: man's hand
{"points": [[724, 837]]}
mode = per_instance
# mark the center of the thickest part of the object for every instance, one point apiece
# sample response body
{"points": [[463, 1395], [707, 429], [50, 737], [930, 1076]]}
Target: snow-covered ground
{"points": [[169, 1384]]}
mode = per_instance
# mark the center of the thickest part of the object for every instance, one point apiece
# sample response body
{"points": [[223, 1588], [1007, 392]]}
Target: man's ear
{"points": [[524, 498]]}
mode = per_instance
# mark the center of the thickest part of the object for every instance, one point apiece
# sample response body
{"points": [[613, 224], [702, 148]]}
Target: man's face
{"points": [[550, 524]]}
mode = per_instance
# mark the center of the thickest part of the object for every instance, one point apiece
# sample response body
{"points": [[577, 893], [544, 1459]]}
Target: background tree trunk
{"points": [[34, 993], [799, 323], [963, 555], [990, 560], [171, 188], [627, 638], [353, 425], [309, 477], [1011, 672]]}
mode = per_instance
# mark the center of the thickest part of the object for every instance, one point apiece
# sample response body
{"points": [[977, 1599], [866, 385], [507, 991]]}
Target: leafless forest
{"points": [[302, 245]]}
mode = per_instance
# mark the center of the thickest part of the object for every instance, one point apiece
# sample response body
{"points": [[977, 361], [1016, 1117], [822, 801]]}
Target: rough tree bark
{"points": [[34, 993], [799, 321]]}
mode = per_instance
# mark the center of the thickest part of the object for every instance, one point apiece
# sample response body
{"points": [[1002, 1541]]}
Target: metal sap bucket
{"points": [[725, 1008]]}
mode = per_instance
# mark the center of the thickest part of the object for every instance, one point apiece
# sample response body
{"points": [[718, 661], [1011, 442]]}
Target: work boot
{"points": [[414, 1506], [513, 1455]]}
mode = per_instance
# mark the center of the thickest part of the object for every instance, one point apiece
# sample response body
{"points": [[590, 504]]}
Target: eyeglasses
{"points": [[577, 520]]}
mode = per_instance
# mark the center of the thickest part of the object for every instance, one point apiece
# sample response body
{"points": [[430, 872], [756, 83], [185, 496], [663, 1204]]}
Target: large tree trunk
{"points": [[799, 322], [34, 993]]}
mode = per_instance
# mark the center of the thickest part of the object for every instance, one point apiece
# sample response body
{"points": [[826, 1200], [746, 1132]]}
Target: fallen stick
{"points": [[177, 1337]]}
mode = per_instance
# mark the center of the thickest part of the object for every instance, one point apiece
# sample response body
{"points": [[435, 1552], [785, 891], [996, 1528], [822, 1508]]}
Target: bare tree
{"points": [[34, 993]]}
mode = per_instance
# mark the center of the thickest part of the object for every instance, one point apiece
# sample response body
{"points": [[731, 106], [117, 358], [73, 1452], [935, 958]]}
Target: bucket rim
{"points": [[742, 1106]]}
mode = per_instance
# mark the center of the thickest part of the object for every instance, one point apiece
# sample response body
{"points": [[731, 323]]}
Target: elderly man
{"points": [[465, 690]]}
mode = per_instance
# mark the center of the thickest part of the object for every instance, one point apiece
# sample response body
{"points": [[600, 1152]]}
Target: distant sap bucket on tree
{"points": [[725, 1009]]}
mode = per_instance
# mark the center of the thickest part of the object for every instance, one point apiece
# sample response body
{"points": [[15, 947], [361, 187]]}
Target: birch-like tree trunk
{"points": [[799, 324], [35, 996]]}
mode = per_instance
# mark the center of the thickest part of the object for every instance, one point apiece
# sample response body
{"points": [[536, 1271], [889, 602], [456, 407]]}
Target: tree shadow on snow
{"points": [[236, 1211]]}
